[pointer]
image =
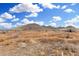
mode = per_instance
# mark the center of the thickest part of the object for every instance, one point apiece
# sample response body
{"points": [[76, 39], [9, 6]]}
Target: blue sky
{"points": [[49, 14]]}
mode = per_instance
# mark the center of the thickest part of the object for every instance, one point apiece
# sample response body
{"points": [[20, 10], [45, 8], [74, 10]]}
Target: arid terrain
{"points": [[39, 42]]}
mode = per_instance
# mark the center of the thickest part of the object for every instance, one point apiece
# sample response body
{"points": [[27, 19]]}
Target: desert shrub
{"points": [[3, 32], [70, 30]]}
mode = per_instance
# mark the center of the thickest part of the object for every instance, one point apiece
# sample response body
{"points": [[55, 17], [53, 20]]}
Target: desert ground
{"points": [[39, 43]]}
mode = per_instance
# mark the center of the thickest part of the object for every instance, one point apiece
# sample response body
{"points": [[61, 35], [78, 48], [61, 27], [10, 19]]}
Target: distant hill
{"points": [[35, 27]]}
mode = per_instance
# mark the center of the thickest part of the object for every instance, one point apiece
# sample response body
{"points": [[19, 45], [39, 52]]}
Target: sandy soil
{"points": [[39, 43]]}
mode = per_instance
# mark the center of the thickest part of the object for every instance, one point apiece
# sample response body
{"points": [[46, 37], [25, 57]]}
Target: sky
{"points": [[13, 15]]}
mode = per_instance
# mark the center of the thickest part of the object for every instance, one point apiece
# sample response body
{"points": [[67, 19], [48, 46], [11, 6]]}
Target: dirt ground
{"points": [[39, 43]]}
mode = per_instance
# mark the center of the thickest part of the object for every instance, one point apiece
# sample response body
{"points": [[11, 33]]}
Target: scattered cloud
{"points": [[64, 6], [72, 4], [6, 16], [33, 10], [39, 22], [56, 18], [15, 20], [50, 5], [69, 10], [2, 20], [26, 21], [6, 25], [26, 7], [32, 15], [53, 24], [72, 22], [18, 24]]}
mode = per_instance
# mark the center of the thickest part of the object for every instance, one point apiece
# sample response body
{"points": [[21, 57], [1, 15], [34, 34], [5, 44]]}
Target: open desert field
{"points": [[41, 43], [39, 29]]}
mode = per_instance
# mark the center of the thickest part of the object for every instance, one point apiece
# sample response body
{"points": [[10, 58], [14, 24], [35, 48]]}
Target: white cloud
{"points": [[27, 7], [6, 25], [53, 24], [2, 20], [39, 22], [50, 5], [32, 15], [69, 10], [64, 7], [18, 24], [6, 16], [15, 19], [72, 4], [72, 22], [58, 6], [56, 18], [26, 21]]}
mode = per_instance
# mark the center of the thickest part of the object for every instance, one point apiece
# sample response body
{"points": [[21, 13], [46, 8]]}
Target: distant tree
{"points": [[70, 28]]}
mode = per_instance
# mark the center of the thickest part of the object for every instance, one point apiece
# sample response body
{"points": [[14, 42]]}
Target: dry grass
{"points": [[46, 43]]}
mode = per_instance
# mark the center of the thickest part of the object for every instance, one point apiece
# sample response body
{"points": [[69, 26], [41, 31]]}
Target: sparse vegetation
{"points": [[44, 42]]}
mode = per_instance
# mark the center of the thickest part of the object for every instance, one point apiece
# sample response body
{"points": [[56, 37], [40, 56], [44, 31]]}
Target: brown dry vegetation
{"points": [[41, 43]]}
